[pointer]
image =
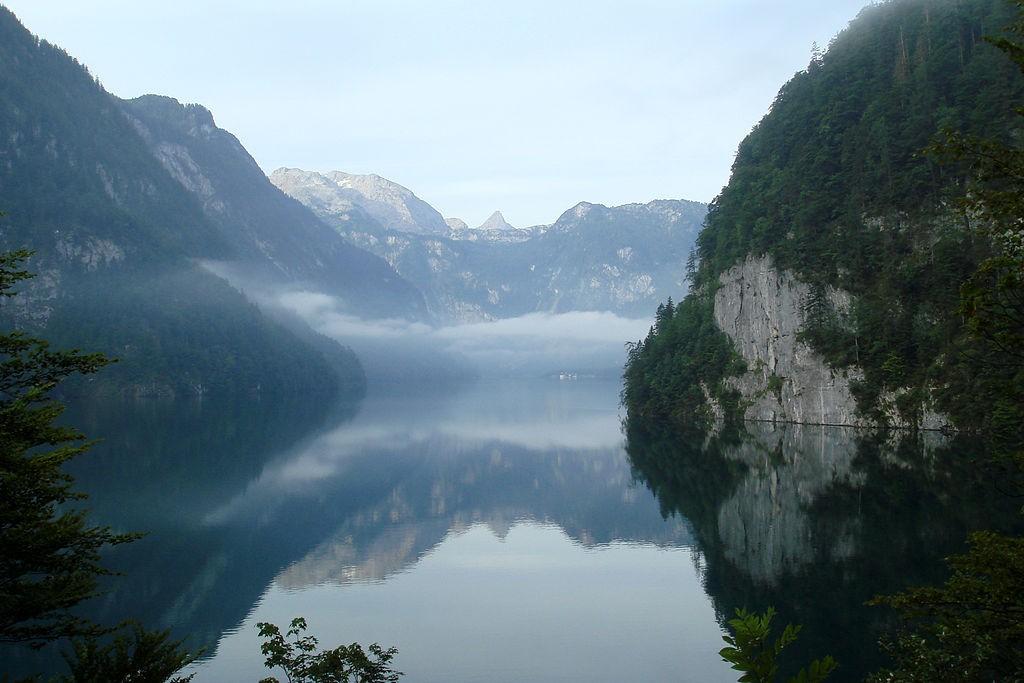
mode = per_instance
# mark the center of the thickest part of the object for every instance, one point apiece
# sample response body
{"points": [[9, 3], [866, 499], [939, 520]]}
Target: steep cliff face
{"points": [[761, 309]]}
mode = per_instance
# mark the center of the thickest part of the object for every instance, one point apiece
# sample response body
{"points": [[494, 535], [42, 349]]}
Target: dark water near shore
{"points": [[509, 531]]}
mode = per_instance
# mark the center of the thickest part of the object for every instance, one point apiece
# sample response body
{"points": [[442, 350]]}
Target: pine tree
{"points": [[49, 554]]}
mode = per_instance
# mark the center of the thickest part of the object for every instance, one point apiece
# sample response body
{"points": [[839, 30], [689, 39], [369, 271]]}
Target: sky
{"points": [[526, 106]]}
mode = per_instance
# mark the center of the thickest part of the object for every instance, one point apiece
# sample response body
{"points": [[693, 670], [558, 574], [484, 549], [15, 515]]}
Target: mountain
{"points": [[336, 194], [828, 287], [271, 236], [495, 222], [121, 202], [619, 258], [504, 233], [622, 259]]}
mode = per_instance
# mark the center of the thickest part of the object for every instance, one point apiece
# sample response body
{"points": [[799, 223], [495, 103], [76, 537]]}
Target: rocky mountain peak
{"points": [[393, 206], [581, 209], [456, 224], [496, 222], [169, 111]]}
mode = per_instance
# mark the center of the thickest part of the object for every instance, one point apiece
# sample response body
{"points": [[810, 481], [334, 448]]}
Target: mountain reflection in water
{"points": [[510, 530]]}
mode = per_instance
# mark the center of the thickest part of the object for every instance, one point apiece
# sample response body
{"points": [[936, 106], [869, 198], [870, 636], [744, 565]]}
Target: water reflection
{"points": [[244, 496], [500, 532], [817, 520]]}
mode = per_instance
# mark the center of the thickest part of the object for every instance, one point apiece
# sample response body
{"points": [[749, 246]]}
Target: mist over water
{"points": [[586, 342]]}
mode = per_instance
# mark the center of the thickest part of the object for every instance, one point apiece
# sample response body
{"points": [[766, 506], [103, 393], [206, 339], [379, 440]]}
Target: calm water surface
{"points": [[512, 530]]}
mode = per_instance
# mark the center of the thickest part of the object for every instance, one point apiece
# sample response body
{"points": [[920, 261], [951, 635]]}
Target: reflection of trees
{"points": [[159, 467], [175, 459], [816, 520]]}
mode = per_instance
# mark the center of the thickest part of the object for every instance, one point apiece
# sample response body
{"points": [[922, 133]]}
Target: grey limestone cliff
{"points": [[760, 308]]}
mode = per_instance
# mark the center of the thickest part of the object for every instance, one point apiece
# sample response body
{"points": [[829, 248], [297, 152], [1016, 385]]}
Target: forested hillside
{"points": [[835, 193], [116, 240]]}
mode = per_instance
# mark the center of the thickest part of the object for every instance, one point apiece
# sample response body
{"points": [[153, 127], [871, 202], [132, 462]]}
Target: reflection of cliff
{"points": [[764, 525], [817, 520]]}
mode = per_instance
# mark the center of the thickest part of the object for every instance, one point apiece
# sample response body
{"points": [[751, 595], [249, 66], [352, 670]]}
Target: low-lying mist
{"points": [[586, 343], [537, 344]]}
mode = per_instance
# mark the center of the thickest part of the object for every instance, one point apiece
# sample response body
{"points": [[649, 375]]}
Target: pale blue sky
{"points": [[526, 106]]}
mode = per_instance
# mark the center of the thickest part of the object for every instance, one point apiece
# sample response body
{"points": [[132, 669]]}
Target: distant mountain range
{"points": [[121, 202], [136, 210], [623, 259]]}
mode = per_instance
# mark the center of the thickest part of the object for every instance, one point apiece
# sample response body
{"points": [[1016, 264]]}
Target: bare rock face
{"points": [[496, 222], [337, 194], [760, 309], [456, 224]]}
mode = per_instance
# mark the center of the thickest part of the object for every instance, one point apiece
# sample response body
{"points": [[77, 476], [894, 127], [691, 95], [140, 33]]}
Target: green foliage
{"points": [[49, 554], [296, 655], [10, 269], [842, 141], [990, 355], [752, 651], [989, 359], [775, 384], [140, 656], [970, 628], [683, 355]]}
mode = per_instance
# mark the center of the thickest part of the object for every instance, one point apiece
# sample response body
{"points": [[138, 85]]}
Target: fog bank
{"points": [[537, 344]]}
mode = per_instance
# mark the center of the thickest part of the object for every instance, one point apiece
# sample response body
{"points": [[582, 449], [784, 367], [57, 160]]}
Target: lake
{"points": [[513, 530]]}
